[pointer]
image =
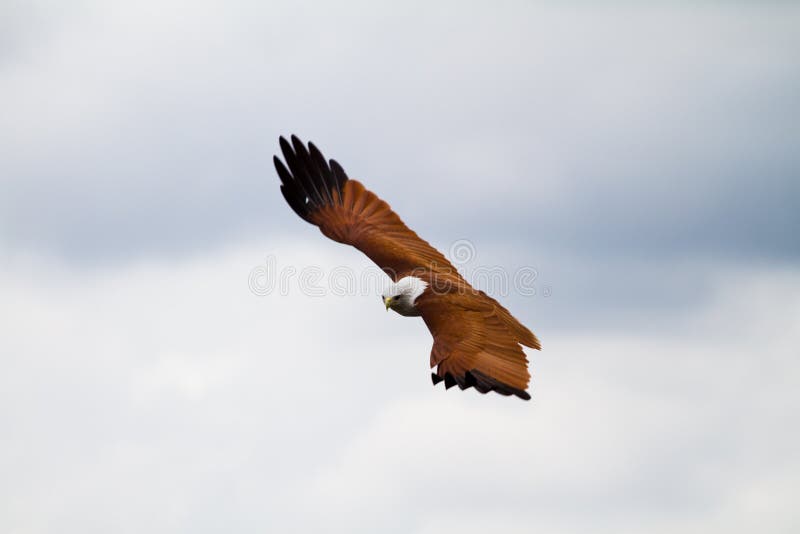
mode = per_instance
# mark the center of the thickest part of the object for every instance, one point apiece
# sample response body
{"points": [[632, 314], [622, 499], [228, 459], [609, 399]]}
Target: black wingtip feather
{"points": [[297, 206], [283, 173], [462, 382], [485, 382], [338, 173], [449, 381], [308, 179]]}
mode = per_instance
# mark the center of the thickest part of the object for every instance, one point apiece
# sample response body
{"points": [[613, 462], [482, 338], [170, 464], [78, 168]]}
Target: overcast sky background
{"points": [[642, 160]]}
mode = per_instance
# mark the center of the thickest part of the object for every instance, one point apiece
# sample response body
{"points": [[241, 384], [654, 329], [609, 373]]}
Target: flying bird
{"points": [[476, 341]]}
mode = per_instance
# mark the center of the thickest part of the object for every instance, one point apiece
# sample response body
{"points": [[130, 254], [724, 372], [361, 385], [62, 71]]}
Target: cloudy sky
{"points": [[638, 164]]}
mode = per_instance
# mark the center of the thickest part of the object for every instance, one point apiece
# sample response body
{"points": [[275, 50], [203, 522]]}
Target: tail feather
{"points": [[520, 331]]}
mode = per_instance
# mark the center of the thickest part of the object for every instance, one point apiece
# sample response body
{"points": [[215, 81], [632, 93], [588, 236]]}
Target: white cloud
{"points": [[166, 397]]}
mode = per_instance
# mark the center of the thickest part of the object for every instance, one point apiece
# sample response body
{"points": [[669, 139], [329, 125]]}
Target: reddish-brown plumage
{"points": [[476, 341]]}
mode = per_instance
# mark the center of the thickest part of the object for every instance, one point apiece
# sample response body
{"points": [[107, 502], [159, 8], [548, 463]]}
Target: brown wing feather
{"points": [[520, 331], [476, 342], [344, 210]]}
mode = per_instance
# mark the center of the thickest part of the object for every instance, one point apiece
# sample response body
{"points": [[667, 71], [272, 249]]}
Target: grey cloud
{"points": [[622, 131]]}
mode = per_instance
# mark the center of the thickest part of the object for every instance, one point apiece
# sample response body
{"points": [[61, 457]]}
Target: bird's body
{"points": [[476, 340]]}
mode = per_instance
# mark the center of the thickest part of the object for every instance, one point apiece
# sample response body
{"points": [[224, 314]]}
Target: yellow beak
{"points": [[388, 302]]}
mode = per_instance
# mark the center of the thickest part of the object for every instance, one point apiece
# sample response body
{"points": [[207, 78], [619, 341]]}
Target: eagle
{"points": [[476, 341]]}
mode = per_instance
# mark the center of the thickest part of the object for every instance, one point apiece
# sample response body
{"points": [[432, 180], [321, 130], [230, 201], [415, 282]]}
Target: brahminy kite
{"points": [[476, 341]]}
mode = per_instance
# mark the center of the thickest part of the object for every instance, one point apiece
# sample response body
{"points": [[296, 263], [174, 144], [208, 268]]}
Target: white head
{"points": [[401, 295]]}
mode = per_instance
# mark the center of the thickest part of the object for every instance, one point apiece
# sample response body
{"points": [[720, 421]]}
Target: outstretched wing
{"points": [[476, 342], [320, 192]]}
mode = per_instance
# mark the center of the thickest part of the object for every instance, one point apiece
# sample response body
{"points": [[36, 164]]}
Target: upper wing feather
{"points": [[344, 210]]}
